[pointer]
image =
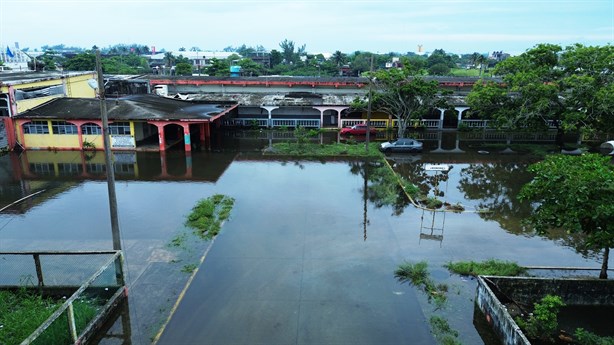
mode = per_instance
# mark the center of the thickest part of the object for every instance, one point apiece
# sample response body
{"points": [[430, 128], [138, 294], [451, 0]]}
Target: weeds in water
{"points": [[490, 267], [442, 331], [208, 214], [417, 275], [189, 268], [21, 313]]}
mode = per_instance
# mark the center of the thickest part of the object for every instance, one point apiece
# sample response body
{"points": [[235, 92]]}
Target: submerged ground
{"points": [[305, 257]]}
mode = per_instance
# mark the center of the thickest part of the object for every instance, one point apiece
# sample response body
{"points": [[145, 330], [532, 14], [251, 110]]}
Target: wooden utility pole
{"points": [[369, 106], [107, 156]]}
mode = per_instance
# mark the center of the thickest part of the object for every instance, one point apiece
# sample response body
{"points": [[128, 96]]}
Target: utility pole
{"points": [[107, 157], [369, 106]]}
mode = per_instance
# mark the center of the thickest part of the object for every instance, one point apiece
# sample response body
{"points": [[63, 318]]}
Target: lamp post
{"points": [[107, 157]]}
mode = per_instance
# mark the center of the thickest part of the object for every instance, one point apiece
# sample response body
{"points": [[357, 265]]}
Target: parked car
{"points": [[402, 145], [359, 129]]}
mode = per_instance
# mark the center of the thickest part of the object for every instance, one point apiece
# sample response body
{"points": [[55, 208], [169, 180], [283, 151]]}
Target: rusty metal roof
{"points": [[135, 107]]}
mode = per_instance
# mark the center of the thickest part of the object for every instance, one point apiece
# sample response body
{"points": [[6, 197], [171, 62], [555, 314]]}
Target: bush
{"points": [[543, 322]]}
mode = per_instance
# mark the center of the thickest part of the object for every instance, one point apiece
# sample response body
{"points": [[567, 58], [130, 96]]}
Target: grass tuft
{"points": [[490, 267], [208, 214]]}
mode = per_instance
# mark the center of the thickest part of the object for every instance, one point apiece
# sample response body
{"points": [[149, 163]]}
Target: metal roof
{"points": [[15, 78], [135, 107]]}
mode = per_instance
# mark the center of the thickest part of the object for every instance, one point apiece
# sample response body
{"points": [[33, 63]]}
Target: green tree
{"points": [[183, 68], [339, 58], [169, 59], [81, 62], [575, 193], [288, 52], [439, 69], [571, 87], [403, 95], [250, 68], [219, 68]]}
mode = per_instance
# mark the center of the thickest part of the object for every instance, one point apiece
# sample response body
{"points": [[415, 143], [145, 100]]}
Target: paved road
{"points": [[278, 274]]}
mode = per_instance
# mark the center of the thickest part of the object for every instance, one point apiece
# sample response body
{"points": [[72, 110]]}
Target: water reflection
{"points": [[495, 187], [432, 227]]}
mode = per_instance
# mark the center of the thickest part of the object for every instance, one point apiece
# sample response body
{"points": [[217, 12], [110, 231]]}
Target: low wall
{"points": [[493, 292]]}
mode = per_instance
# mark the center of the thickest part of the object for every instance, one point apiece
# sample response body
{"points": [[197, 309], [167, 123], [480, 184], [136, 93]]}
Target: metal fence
{"points": [[90, 285]]}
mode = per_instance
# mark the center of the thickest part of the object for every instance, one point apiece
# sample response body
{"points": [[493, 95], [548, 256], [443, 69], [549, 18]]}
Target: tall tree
{"points": [[571, 87], [403, 95], [575, 193], [339, 58]]}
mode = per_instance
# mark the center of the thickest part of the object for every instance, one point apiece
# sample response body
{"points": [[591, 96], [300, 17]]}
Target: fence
{"points": [[259, 122], [90, 285], [415, 123]]}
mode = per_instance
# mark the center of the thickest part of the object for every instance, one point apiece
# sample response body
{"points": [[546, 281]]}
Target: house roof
{"points": [[134, 107], [15, 78]]}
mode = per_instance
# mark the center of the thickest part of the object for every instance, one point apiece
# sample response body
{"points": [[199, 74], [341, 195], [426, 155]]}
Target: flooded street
{"points": [[308, 255]]}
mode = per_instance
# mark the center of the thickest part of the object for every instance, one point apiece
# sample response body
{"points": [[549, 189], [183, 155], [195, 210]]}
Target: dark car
{"points": [[402, 145], [358, 130]]}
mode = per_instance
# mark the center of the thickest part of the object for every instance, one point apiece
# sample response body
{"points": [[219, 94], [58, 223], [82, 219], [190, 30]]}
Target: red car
{"points": [[360, 129]]}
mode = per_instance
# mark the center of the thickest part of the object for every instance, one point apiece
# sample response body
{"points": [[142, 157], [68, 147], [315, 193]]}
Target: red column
{"points": [[187, 141], [9, 128], [161, 140]]}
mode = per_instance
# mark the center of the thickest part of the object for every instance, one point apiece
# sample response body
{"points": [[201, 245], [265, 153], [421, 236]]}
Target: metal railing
{"points": [[260, 122], [92, 299]]}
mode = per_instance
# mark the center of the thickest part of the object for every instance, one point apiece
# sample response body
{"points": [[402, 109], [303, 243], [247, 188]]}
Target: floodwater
{"points": [[308, 255]]}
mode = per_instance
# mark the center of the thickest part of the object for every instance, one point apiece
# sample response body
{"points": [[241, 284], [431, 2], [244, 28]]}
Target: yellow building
{"points": [[22, 91]]}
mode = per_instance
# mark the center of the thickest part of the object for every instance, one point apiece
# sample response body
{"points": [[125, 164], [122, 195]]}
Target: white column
{"points": [[269, 109], [442, 111], [460, 113]]}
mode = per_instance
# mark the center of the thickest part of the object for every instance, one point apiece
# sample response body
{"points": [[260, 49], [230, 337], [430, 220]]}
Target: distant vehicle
{"points": [[358, 130], [402, 145]]}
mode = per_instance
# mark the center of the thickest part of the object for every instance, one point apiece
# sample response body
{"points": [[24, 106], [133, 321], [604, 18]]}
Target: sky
{"points": [[322, 26]]}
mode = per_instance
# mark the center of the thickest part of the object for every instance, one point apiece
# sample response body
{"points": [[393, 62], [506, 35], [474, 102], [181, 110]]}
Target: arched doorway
{"points": [[174, 137]]}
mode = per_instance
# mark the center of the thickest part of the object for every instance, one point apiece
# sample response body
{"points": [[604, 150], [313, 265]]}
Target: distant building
{"points": [[13, 59]]}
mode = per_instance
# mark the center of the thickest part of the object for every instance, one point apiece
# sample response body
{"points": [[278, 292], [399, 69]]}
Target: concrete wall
{"points": [[527, 291], [572, 291]]}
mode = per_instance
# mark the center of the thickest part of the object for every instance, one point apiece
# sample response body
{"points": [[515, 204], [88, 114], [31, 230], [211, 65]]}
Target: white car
{"points": [[402, 145]]}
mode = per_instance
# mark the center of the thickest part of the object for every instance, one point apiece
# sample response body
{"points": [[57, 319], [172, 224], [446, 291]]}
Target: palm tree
{"points": [[169, 59], [339, 58]]}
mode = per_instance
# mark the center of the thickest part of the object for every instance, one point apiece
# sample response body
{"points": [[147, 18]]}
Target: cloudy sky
{"points": [[323, 26]]}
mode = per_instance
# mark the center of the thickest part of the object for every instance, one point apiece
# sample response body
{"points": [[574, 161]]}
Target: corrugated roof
{"points": [[135, 107]]}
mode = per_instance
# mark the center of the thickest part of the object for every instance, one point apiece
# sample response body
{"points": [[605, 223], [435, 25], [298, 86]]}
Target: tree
{"points": [[81, 62], [572, 88], [276, 58], [339, 58], [288, 53], [183, 68], [575, 193], [439, 69], [182, 49], [219, 68], [169, 59], [399, 93]]}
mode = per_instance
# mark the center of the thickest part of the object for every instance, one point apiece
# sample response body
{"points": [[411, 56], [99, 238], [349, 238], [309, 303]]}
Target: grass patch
{"points": [[208, 214], [21, 313], [442, 331], [325, 150], [189, 268], [490, 267], [417, 275]]}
